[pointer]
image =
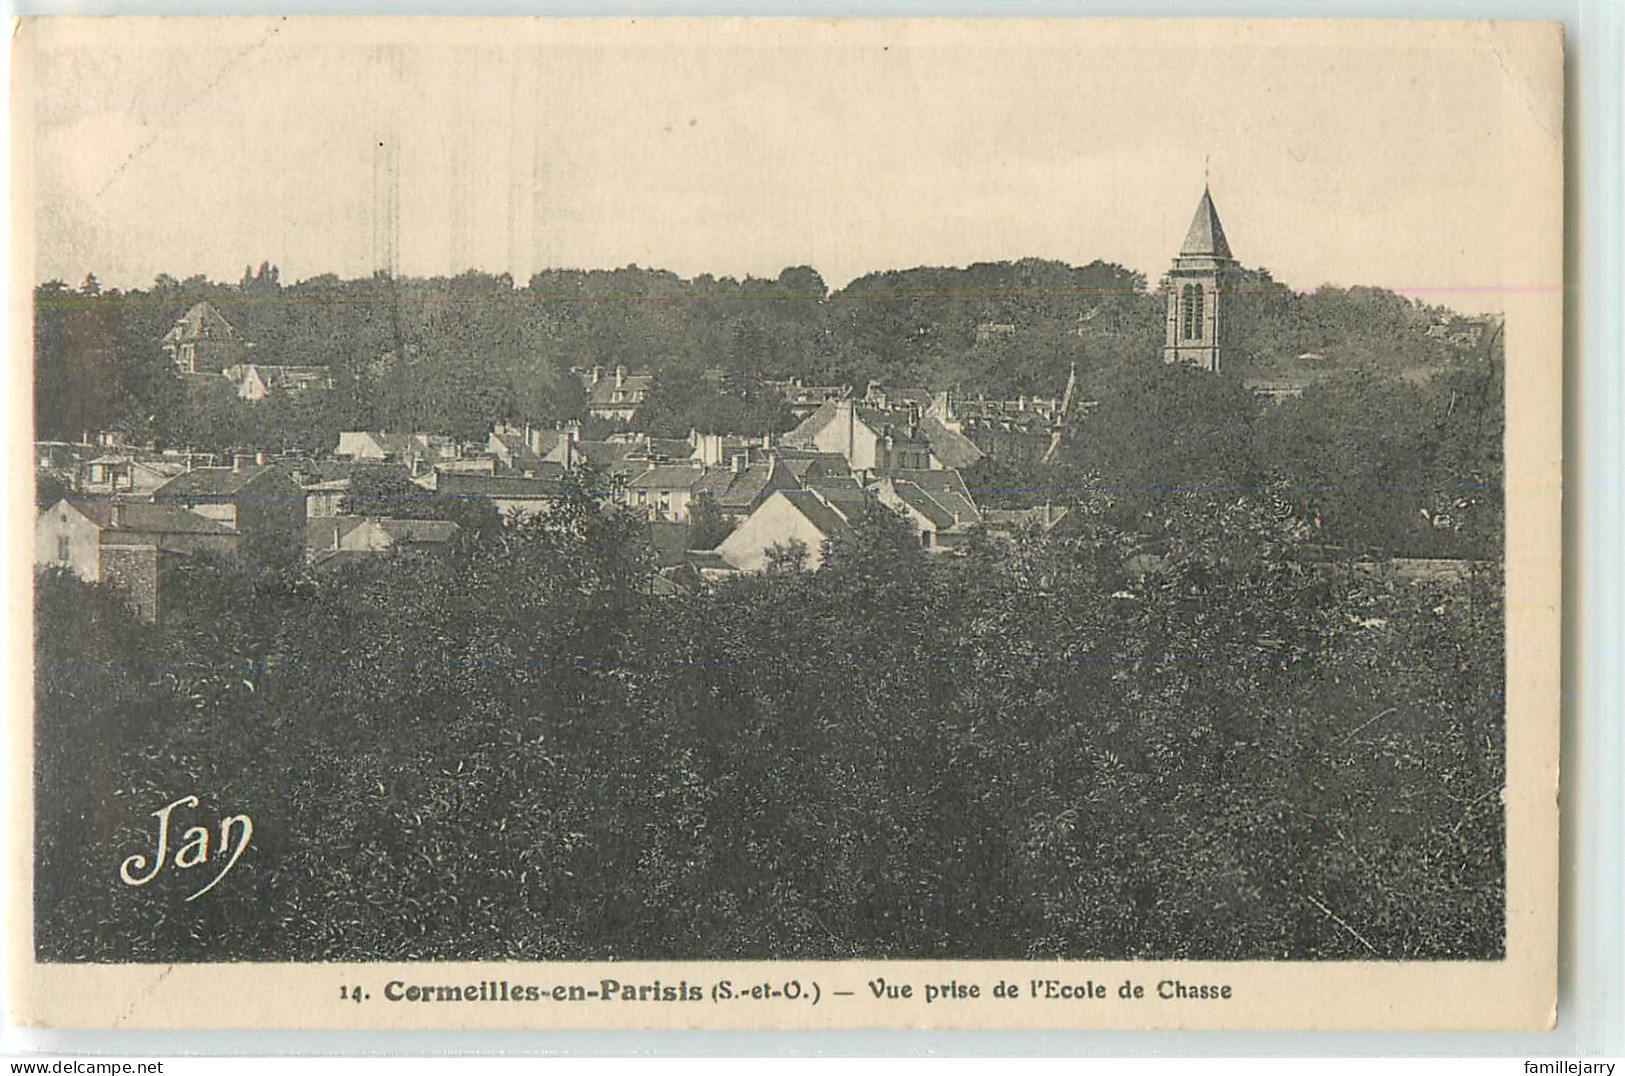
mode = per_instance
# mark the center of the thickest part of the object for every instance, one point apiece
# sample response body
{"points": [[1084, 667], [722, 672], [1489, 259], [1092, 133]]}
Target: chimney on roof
{"points": [[597, 374], [736, 462], [620, 376], [259, 459], [236, 462]]}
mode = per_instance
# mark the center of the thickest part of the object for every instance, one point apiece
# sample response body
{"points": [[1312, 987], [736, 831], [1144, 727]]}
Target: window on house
{"points": [[62, 550]]}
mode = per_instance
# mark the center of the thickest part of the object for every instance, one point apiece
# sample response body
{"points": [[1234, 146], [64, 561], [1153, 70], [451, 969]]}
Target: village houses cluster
{"points": [[774, 495], [773, 499]]}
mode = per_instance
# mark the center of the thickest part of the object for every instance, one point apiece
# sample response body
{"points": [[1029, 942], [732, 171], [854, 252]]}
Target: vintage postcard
{"points": [[785, 523]]}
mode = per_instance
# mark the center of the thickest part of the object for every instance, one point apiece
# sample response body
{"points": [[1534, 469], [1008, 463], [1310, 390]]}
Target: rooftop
{"points": [[1206, 235], [146, 518], [819, 512], [213, 481]]}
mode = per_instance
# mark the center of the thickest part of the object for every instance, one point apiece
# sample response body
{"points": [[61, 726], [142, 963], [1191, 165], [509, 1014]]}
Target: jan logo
{"points": [[194, 849]]}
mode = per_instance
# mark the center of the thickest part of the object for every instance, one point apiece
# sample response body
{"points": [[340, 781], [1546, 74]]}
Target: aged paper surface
{"points": [[1121, 733]]}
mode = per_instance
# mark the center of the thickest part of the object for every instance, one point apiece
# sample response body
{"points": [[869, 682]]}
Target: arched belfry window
{"points": [[1187, 312], [1196, 317]]}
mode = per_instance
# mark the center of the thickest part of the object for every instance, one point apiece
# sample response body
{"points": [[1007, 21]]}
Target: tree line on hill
{"points": [[452, 355], [1395, 445], [1037, 752]]}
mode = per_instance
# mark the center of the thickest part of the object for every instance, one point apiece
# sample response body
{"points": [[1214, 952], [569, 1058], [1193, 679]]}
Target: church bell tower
{"points": [[1195, 287]]}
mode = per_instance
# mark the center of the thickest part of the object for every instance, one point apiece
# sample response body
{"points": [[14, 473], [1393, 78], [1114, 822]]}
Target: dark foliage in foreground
{"points": [[1036, 753]]}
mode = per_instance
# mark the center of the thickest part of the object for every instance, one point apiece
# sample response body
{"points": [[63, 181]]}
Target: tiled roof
{"points": [[815, 423], [213, 481], [604, 455], [742, 489], [906, 394], [668, 476], [931, 480], [806, 461], [144, 518], [953, 449], [604, 392], [881, 420], [842, 491], [673, 448], [202, 322], [818, 511], [513, 442], [506, 487], [916, 498], [946, 487], [548, 440]]}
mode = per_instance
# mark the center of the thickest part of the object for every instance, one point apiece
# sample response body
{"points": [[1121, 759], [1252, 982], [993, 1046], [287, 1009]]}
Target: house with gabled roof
{"points": [[128, 472], [376, 535], [870, 438], [255, 381], [937, 502], [521, 448], [806, 463], [123, 543], [803, 399], [609, 458], [665, 490], [511, 494], [615, 395], [419, 451], [784, 520], [949, 447], [740, 487], [844, 493], [259, 501], [202, 341]]}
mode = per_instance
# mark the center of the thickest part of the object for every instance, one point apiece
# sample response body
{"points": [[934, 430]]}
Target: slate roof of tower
{"points": [[1206, 235]]}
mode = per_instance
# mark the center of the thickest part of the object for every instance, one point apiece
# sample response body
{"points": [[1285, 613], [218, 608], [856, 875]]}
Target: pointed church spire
{"points": [[1196, 286], [1206, 235]]}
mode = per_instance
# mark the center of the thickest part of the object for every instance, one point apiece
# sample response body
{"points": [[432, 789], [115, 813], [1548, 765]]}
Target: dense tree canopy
{"points": [[1041, 752]]}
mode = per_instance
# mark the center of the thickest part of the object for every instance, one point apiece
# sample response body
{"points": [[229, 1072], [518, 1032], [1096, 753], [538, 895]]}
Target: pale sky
{"points": [[199, 146]]}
